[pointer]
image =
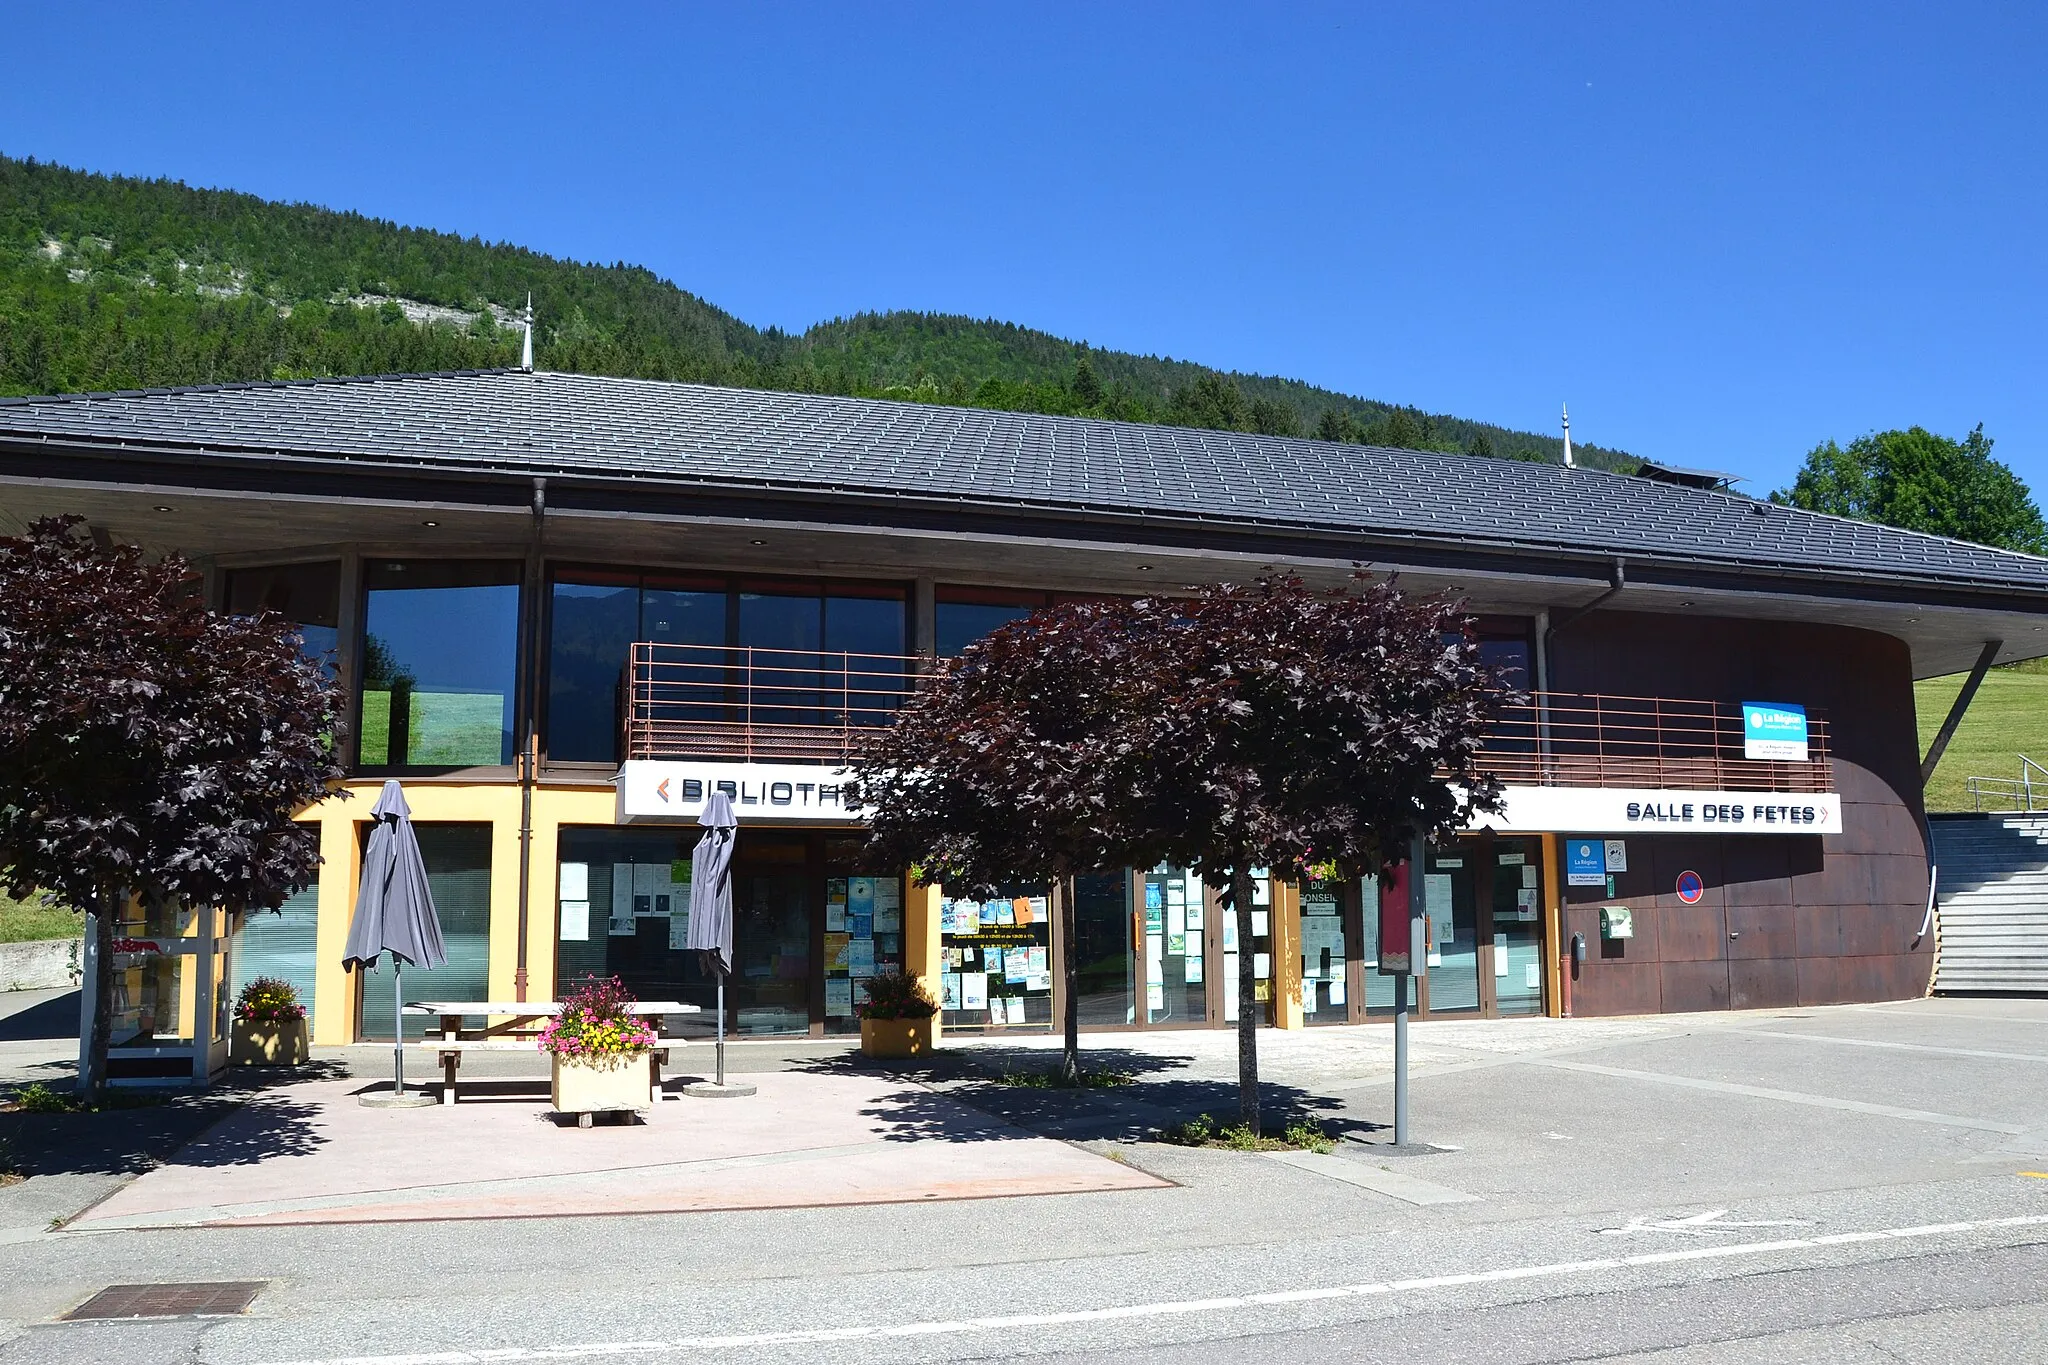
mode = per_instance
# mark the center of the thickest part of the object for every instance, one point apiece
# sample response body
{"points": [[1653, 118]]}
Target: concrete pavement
{"points": [[1812, 1184]]}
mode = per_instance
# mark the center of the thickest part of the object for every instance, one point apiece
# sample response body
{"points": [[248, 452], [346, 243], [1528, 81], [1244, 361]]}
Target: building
{"points": [[568, 606]]}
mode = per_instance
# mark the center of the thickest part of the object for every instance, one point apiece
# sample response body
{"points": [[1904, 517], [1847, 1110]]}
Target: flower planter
{"points": [[896, 1037], [268, 1044], [619, 1084]]}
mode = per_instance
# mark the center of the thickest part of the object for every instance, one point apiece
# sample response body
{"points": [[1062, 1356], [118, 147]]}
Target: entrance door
{"points": [[1515, 951], [1451, 903], [772, 886]]}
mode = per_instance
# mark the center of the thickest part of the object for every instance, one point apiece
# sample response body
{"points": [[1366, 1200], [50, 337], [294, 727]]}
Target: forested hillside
{"points": [[108, 282]]}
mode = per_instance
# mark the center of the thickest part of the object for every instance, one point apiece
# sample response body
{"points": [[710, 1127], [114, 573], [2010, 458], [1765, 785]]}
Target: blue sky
{"points": [[1722, 233]]}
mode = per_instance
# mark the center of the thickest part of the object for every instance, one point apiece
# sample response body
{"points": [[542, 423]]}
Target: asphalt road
{"points": [[1816, 1185]]}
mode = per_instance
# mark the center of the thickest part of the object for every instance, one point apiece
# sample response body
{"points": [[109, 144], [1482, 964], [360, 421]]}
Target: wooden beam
{"points": [[1955, 712]]}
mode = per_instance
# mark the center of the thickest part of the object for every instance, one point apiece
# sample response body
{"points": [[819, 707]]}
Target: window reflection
{"points": [[307, 595], [440, 663]]}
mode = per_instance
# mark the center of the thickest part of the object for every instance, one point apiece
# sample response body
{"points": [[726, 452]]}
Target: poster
{"points": [[1034, 958], [861, 926], [575, 921], [1529, 875], [839, 998], [1038, 910], [1016, 967], [1436, 895], [1525, 903], [973, 991], [1262, 965], [1262, 923], [679, 924], [575, 882], [835, 917], [1530, 978], [1155, 997], [1500, 955], [992, 961], [1191, 971], [1308, 997], [1194, 914], [1177, 944], [622, 899], [1177, 918], [836, 952], [679, 873], [860, 896], [988, 914], [860, 956], [1336, 984], [949, 990], [1013, 1009], [1006, 913]]}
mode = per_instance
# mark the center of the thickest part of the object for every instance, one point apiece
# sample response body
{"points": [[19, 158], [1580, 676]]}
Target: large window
{"points": [[282, 944], [964, 615], [458, 859], [440, 663], [307, 595], [822, 652]]}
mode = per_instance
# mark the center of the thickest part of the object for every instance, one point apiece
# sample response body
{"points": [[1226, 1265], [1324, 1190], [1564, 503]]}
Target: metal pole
{"points": [[721, 1028], [397, 1030], [1401, 980]]}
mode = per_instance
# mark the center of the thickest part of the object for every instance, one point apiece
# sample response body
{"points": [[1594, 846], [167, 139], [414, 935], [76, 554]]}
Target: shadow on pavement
{"points": [[1157, 1096], [52, 1020]]}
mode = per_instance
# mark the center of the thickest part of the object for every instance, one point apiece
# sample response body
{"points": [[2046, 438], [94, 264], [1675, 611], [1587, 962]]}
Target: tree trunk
{"points": [[92, 1085], [1247, 1001], [1062, 891]]}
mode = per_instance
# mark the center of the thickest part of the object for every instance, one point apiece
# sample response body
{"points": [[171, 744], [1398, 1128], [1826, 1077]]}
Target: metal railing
{"points": [[760, 705], [2010, 793], [1584, 739], [744, 704]]}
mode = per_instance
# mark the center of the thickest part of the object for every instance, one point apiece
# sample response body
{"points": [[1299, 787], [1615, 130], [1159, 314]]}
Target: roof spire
{"points": [[526, 346], [1567, 433]]}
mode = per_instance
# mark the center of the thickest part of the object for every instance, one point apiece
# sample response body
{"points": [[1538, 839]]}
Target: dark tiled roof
{"points": [[581, 424]]}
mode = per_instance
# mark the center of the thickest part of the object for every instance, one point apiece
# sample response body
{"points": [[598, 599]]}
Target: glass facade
{"points": [[596, 616], [1176, 950], [440, 663], [307, 595], [458, 859], [1518, 926], [1261, 948], [1105, 957], [863, 929], [996, 968], [623, 909], [1325, 951], [281, 945]]}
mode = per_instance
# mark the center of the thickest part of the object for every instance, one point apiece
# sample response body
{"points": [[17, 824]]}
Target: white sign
{"points": [[1610, 810], [798, 793], [1617, 855]]}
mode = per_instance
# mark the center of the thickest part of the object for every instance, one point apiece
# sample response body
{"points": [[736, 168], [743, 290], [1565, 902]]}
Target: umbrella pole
{"points": [[397, 1030], [721, 1028]]}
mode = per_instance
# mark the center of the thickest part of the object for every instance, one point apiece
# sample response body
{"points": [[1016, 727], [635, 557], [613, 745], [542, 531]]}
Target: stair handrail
{"points": [[2027, 770]]}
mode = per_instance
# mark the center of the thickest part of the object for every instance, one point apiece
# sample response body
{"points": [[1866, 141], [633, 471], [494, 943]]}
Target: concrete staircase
{"points": [[1992, 903]]}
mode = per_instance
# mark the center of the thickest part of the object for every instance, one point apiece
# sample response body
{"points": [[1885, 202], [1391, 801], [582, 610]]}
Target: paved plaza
{"points": [[1854, 1184]]}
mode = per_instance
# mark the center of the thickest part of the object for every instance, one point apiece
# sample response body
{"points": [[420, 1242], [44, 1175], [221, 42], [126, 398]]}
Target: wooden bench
{"points": [[519, 1032]]}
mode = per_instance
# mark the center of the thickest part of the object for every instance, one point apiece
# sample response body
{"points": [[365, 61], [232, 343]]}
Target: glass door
{"points": [[1105, 963], [1261, 948], [1517, 947], [1451, 905], [1176, 979], [1325, 955]]}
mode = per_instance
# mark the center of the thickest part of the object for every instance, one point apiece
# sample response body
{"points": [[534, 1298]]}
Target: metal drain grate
{"points": [[167, 1300]]}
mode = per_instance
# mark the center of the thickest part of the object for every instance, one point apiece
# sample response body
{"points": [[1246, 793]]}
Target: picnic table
{"points": [[518, 1030]]}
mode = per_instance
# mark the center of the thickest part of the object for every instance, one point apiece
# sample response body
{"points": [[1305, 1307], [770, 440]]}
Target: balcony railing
{"points": [[741, 704]]}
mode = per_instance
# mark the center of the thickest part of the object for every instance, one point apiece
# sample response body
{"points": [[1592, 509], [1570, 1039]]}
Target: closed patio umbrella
{"points": [[711, 901], [394, 913]]}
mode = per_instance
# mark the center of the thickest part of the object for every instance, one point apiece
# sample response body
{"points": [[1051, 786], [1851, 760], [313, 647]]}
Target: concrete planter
{"points": [[285, 1044], [896, 1037], [586, 1088]]}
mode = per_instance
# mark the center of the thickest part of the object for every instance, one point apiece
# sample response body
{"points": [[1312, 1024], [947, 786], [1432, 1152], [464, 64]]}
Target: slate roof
{"points": [[513, 421]]}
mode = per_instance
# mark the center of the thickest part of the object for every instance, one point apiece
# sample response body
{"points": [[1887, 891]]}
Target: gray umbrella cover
{"points": [[394, 907], [711, 882]]}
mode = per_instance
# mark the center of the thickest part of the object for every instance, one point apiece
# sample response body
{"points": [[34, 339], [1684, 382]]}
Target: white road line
{"points": [[1901, 1047], [1786, 1096], [1175, 1308]]}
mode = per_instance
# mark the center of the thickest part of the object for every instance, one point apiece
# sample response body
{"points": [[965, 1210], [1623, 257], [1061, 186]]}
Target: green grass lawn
{"points": [[2009, 717], [21, 922]]}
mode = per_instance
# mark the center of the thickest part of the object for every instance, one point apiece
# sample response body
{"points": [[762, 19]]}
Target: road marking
{"points": [[1393, 1184], [1786, 1096], [1901, 1047], [2035, 1175], [1175, 1308], [1700, 1224]]}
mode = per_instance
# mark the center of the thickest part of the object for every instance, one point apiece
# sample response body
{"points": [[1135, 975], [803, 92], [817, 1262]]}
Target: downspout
{"points": [[529, 750]]}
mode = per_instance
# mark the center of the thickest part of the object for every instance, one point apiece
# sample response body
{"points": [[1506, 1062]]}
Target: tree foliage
{"points": [[108, 282], [1266, 726], [1918, 481], [148, 746]]}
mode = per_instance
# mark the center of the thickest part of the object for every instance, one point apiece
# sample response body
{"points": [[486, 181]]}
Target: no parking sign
{"points": [[1691, 887]]}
